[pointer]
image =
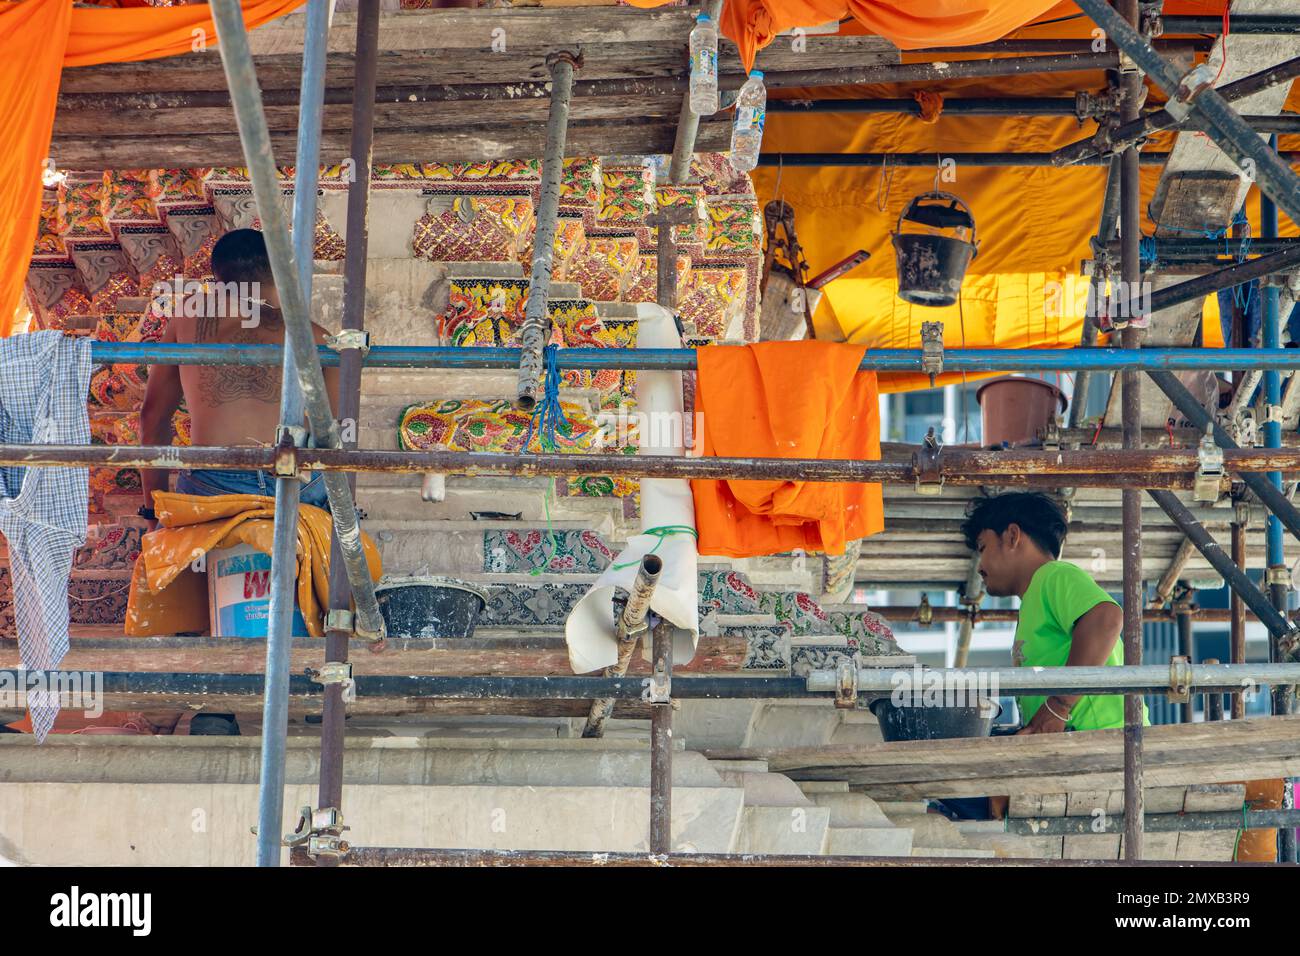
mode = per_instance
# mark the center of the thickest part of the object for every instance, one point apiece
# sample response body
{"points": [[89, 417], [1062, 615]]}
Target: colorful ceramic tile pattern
{"points": [[476, 425], [580, 552]]}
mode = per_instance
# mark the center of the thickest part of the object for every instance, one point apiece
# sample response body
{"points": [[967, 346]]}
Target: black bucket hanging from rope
{"points": [[932, 265]]}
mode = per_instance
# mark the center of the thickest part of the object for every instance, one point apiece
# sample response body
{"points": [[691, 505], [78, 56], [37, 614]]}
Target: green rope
{"points": [[550, 531], [1240, 833], [661, 532]]}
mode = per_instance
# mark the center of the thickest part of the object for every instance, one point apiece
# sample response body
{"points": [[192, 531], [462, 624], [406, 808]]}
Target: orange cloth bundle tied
{"points": [[169, 597], [786, 400], [38, 39]]}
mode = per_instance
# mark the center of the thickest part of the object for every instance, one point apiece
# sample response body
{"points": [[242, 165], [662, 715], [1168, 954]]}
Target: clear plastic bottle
{"points": [[747, 127], [704, 66]]}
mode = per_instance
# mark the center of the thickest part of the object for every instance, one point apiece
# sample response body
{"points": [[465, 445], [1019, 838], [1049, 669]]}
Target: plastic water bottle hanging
{"points": [[704, 66], [747, 127]]}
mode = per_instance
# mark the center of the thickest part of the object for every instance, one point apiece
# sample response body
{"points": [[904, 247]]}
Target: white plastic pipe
{"points": [[591, 630]]}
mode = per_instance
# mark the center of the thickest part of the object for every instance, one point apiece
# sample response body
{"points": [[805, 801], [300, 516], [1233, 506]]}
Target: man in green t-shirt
{"points": [[1066, 619]]}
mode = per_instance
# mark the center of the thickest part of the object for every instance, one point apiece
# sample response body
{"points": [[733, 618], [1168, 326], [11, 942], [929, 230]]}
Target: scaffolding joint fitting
{"points": [[339, 619], [1100, 107], [1277, 574], [335, 672], [925, 466], [1273, 413], [846, 684], [1194, 82], [1209, 473], [1241, 512], [321, 831], [657, 689], [1052, 434], [292, 437], [572, 57], [1180, 680], [924, 612], [358, 339], [932, 349]]}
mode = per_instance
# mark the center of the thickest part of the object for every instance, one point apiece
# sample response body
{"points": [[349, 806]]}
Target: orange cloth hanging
{"points": [[786, 400], [38, 39], [168, 597], [909, 24]]}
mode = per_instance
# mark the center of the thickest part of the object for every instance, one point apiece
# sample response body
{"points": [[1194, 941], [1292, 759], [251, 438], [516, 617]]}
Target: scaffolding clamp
{"points": [[1209, 474], [1241, 512], [924, 612], [320, 830], [846, 684], [1180, 680], [336, 672], [1194, 82], [932, 349], [1277, 574], [925, 465], [1272, 413], [339, 619], [1052, 434], [358, 339]]}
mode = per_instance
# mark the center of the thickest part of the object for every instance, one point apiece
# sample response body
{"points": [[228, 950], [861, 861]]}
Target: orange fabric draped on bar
{"points": [[908, 24], [38, 39]]}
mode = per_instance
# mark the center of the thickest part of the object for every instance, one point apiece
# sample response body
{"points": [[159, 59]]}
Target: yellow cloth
{"points": [[168, 597], [38, 39]]}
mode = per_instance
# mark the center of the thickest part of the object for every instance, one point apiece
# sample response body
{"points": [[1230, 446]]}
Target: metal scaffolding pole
{"points": [[1155, 822], [1191, 409], [1284, 632], [932, 159], [661, 741], [1236, 608], [241, 77], [338, 622], [1222, 123], [533, 335], [1127, 133], [877, 360], [1130, 267]]}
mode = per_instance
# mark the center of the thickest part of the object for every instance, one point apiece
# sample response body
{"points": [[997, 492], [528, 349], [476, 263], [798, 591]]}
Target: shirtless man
{"points": [[228, 404]]}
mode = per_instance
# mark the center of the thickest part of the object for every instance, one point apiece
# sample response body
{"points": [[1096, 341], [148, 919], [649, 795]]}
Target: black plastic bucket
{"points": [[918, 722], [424, 607], [931, 267]]}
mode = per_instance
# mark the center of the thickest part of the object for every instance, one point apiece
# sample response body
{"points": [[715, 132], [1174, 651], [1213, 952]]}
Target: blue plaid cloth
{"points": [[44, 379]]}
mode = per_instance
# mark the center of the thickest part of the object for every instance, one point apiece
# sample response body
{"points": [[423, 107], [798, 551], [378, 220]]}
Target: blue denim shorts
{"points": [[220, 482]]}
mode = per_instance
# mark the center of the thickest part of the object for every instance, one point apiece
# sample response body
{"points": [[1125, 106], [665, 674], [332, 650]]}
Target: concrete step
{"points": [[931, 830], [811, 787], [764, 789], [868, 841], [852, 809], [799, 830]]}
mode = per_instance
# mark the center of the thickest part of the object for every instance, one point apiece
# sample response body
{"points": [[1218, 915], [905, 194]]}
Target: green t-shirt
{"points": [[1059, 594]]}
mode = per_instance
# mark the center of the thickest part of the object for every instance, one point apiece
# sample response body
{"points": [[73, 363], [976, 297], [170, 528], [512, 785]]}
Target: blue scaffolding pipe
{"points": [[878, 360]]}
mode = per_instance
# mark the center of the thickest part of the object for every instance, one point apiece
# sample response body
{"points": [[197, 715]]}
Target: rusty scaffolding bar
{"points": [[1131, 406], [338, 621], [536, 329]]}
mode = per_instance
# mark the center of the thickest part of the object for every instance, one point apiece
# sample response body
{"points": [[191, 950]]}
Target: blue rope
{"points": [[548, 416], [1147, 250], [1241, 294]]}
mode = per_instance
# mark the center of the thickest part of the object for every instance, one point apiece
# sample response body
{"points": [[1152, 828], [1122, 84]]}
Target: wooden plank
{"points": [[628, 137], [1164, 799], [542, 657], [1212, 797]]}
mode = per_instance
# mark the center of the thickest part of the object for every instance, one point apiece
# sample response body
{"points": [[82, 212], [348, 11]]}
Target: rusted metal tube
{"points": [[422, 856], [1186, 648], [1102, 468], [1131, 407], [907, 613], [1237, 613], [333, 714], [661, 746], [534, 332], [1214, 699], [631, 625]]}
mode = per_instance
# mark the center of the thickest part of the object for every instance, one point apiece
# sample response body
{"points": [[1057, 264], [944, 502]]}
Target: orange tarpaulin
{"points": [[169, 597], [786, 400], [909, 24], [37, 40]]}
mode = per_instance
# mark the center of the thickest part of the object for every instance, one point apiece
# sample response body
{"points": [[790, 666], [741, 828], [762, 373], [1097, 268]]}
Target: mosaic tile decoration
{"points": [[804, 615], [476, 228], [496, 426], [109, 548], [734, 226], [176, 185], [581, 182], [606, 266], [48, 240], [568, 551], [81, 208], [628, 194], [547, 605], [767, 648], [128, 196], [869, 631], [714, 297]]}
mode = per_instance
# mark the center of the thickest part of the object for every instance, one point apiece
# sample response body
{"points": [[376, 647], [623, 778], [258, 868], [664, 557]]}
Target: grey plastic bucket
{"points": [[429, 606], [931, 268]]}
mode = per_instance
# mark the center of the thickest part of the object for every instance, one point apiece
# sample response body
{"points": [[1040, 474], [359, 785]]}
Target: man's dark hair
{"points": [[1037, 515], [240, 256]]}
